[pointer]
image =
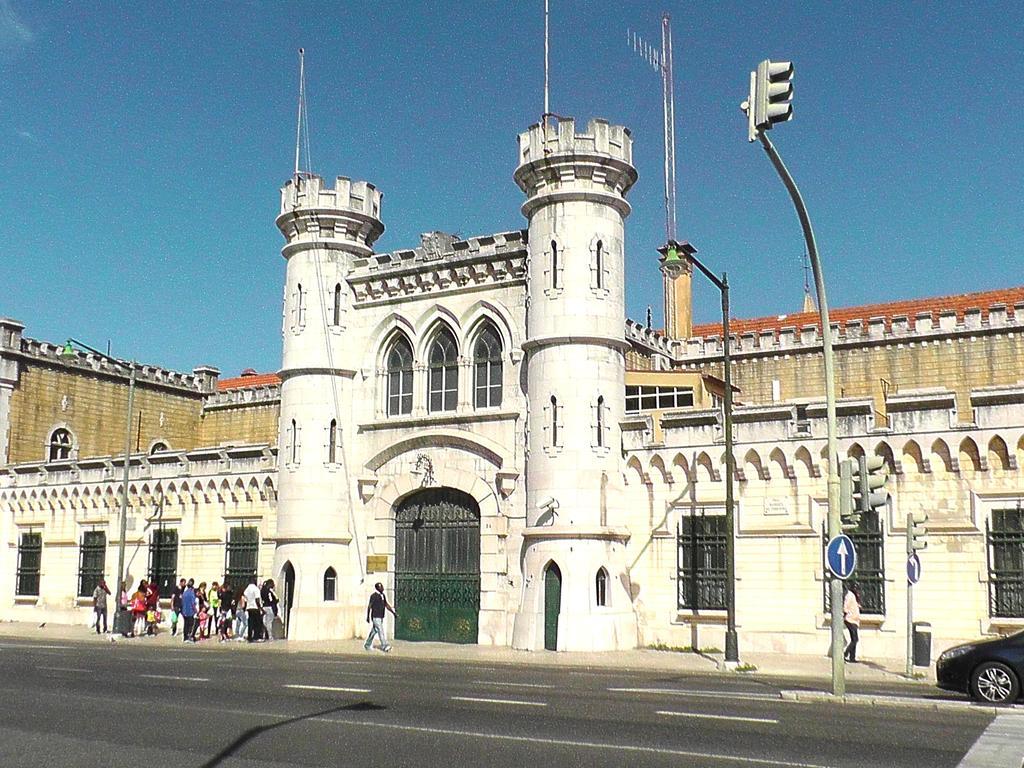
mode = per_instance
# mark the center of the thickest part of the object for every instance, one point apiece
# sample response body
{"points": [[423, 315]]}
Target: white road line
{"points": [[702, 694], [319, 662], [999, 746], [511, 685], [771, 720], [328, 688], [703, 756], [500, 701], [32, 647], [175, 677], [63, 669]]}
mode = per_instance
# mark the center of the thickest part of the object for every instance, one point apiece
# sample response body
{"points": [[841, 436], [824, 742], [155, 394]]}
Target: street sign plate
{"points": [[841, 557], [913, 568]]}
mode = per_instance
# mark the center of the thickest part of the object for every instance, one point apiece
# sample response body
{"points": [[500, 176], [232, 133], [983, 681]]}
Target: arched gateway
{"points": [[437, 566]]}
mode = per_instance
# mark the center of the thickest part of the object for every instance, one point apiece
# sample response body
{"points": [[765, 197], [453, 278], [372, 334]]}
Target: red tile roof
{"points": [[248, 381], [911, 308]]}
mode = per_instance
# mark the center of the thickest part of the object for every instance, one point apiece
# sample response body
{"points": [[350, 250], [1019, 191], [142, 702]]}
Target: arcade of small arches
{"points": [[936, 459]]}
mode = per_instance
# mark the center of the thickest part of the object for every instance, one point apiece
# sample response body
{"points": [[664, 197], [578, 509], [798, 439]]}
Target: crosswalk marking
{"points": [[1001, 745]]}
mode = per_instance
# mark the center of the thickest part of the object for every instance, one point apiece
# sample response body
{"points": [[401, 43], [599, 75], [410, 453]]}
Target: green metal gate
{"points": [[437, 566]]}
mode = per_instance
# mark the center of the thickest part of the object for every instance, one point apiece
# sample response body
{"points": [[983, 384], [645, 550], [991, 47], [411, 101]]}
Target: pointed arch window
{"points": [[293, 442], [330, 585], [300, 307], [556, 438], [598, 266], [60, 445], [487, 368], [399, 371], [601, 587], [443, 385], [332, 442], [556, 266], [336, 306]]}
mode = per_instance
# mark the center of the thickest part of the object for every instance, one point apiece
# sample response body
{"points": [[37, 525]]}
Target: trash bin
{"points": [[922, 643], [122, 622]]}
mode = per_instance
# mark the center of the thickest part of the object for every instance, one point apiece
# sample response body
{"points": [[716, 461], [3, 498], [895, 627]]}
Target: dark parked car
{"points": [[989, 670]]}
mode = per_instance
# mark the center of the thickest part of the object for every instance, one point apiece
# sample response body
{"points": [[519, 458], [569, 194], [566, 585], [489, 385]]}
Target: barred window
{"points": [[163, 559], [652, 398], [444, 373], [868, 538], [487, 369], [399, 370], [330, 585], [92, 556], [701, 562], [241, 555], [61, 443], [30, 555], [1005, 537]]}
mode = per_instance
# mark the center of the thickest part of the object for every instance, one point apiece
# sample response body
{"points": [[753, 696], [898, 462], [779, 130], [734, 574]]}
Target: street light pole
{"points": [[69, 351], [834, 522], [732, 645]]}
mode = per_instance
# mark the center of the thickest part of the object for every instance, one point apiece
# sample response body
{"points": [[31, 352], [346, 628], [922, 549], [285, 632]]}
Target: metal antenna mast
{"points": [[302, 106], [661, 62]]}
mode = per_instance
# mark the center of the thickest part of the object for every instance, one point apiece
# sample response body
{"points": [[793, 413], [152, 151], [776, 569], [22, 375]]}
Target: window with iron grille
{"points": [[1005, 536], [92, 556], [241, 555], [163, 559], [868, 538], [30, 555], [701, 562]]}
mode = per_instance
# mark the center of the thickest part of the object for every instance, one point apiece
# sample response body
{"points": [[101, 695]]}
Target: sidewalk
{"points": [[770, 664]]}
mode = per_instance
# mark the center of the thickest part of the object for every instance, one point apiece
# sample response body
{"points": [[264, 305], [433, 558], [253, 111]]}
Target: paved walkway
{"points": [[775, 664]]}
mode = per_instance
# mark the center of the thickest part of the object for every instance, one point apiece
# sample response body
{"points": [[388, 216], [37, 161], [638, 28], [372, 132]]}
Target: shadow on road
{"points": [[246, 736]]}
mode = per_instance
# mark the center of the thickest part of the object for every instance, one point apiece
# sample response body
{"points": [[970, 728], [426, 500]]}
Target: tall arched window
{"points": [[601, 587], [399, 367], [554, 421], [293, 439], [61, 443], [555, 281], [336, 310], [600, 420], [487, 368], [300, 306], [443, 386], [599, 265], [330, 585], [332, 442]]}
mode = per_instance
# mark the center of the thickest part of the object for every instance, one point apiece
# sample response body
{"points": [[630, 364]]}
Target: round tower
{"points": [[576, 586], [324, 230]]}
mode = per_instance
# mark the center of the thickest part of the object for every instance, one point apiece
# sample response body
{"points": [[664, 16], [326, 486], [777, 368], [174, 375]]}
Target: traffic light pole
{"points": [[834, 522], [910, 602]]}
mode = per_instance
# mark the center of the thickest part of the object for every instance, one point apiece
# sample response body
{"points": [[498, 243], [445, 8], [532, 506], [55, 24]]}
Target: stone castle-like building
{"points": [[475, 423]]}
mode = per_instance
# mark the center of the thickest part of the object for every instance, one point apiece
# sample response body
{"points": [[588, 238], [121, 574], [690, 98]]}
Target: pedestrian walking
{"points": [[269, 599], [99, 604], [241, 618], [188, 613], [227, 612], [375, 616], [139, 610], [152, 606], [176, 606], [214, 608], [202, 609], [851, 617], [253, 608]]}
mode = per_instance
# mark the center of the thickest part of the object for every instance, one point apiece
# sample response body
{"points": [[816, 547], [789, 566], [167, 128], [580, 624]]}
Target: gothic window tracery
{"points": [[399, 375], [443, 384], [487, 368]]}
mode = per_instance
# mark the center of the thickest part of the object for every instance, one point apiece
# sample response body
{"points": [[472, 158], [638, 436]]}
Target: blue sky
{"points": [[142, 147]]}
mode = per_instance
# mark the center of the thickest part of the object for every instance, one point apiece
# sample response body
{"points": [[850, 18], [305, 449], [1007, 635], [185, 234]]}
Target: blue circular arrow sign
{"points": [[841, 557], [913, 569]]}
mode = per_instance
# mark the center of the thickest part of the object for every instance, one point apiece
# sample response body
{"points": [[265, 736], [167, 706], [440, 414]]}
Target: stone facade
{"points": [[585, 443]]}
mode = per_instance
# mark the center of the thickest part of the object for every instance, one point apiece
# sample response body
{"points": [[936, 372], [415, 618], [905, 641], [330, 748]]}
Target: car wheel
{"points": [[994, 683]]}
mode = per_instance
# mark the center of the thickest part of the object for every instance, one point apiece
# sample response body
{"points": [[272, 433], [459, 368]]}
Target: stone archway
{"points": [[437, 566]]}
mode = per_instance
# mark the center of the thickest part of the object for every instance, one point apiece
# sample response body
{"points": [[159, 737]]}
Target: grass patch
{"points": [[745, 667], [681, 648]]}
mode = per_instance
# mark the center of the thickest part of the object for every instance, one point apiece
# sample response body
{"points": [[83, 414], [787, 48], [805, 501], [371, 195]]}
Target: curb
{"points": [[939, 705]]}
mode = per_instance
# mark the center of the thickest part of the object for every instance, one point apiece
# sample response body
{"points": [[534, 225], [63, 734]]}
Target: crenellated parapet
{"points": [[345, 218], [202, 380], [440, 265], [267, 394], [556, 163]]}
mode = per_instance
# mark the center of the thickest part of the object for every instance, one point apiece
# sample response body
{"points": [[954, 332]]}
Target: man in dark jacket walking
{"points": [[375, 614]]}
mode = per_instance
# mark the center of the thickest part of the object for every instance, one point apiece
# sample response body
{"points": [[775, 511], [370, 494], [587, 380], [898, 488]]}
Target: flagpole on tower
{"points": [[547, 106], [302, 98]]}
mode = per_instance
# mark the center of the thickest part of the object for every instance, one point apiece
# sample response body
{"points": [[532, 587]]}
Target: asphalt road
{"points": [[129, 704]]}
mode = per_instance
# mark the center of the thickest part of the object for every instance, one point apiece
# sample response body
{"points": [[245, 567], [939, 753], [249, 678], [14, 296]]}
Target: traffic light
{"points": [[849, 515], [869, 478], [771, 94], [916, 532]]}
